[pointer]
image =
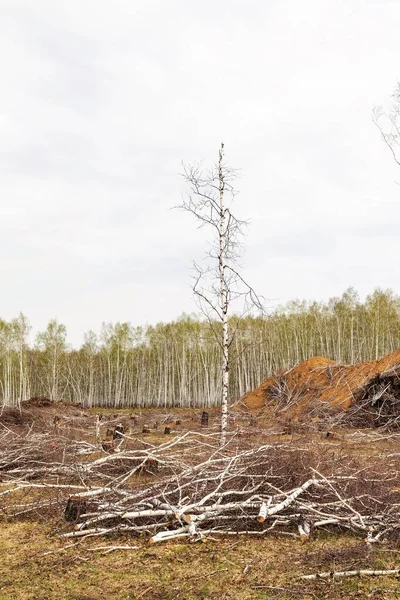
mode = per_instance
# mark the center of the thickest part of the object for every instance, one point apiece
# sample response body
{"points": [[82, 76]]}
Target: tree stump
{"points": [[204, 418], [118, 432], [76, 507], [108, 446]]}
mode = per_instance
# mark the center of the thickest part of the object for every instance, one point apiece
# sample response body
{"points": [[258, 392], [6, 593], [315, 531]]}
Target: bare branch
{"points": [[389, 125]]}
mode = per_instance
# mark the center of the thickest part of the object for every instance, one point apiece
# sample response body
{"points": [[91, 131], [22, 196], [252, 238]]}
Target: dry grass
{"points": [[239, 569]]}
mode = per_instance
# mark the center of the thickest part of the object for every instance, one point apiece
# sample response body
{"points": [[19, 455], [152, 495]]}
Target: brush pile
{"points": [[188, 487]]}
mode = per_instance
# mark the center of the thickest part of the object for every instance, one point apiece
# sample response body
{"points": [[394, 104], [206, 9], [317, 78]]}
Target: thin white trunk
{"points": [[223, 242]]}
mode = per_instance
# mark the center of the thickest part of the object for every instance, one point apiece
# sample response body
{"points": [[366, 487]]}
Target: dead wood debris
{"points": [[187, 487], [354, 573]]}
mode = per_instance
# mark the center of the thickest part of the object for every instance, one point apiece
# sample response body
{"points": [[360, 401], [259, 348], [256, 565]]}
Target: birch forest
{"points": [[177, 364]]}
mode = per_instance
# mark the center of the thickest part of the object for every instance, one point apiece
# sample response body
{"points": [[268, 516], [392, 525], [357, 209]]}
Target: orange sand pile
{"points": [[321, 380]]}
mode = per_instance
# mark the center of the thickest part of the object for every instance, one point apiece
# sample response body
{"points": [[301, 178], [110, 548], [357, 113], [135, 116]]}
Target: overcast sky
{"points": [[101, 101]]}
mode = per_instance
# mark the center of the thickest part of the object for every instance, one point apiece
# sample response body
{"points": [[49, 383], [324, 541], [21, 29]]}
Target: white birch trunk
{"points": [[224, 299]]}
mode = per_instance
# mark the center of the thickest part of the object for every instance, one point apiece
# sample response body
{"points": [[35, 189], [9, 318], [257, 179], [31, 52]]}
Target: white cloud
{"points": [[100, 103]]}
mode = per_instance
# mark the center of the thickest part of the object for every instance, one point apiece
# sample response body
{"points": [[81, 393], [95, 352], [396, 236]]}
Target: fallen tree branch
{"points": [[359, 573]]}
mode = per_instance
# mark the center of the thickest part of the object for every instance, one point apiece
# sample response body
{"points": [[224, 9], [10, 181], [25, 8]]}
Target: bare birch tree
{"points": [[389, 125], [218, 284]]}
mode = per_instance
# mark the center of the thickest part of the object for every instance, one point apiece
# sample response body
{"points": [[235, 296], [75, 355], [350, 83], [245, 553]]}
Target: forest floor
{"points": [[36, 564]]}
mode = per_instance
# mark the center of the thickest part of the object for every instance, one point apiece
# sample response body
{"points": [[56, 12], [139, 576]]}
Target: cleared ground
{"points": [[37, 564]]}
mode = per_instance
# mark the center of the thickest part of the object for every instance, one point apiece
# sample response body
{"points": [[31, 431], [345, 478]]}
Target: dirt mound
{"points": [[319, 383], [310, 374]]}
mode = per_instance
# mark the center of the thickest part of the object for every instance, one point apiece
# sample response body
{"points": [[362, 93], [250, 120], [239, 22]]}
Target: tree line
{"points": [[179, 363]]}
